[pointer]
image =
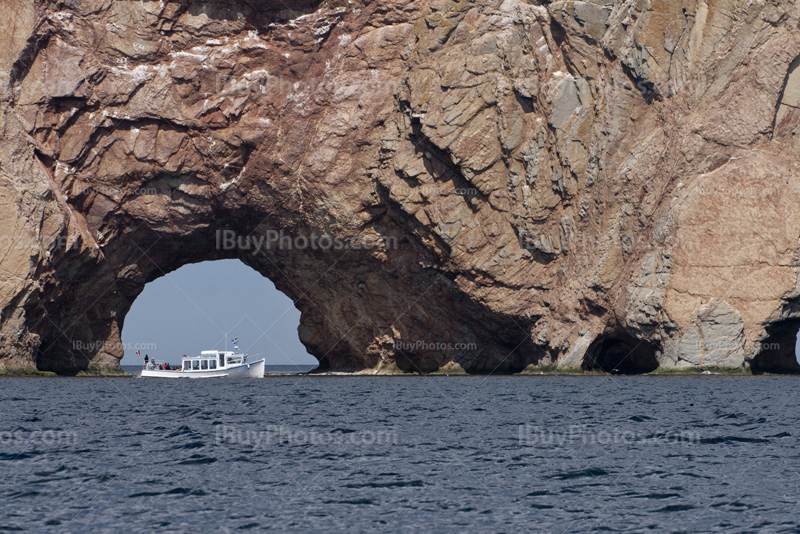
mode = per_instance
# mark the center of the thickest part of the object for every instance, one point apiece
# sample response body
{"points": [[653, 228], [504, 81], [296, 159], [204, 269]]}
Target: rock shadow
{"points": [[776, 353], [259, 13], [621, 353]]}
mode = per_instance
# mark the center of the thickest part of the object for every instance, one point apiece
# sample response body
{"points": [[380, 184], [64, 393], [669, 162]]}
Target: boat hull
{"points": [[245, 370]]}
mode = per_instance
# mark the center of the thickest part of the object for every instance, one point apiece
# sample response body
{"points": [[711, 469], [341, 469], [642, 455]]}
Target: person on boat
{"points": [[146, 359]]}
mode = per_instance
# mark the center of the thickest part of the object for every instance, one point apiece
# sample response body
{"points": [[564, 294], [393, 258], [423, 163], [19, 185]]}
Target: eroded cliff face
{"points": [[594, 184]]}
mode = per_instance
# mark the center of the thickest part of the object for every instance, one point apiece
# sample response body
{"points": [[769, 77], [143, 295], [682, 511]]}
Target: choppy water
{"points": [[384, 454]]}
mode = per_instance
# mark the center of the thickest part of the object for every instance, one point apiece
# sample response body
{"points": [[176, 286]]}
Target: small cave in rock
{"points": [[621, 353], [777, 352], [419, 362]]}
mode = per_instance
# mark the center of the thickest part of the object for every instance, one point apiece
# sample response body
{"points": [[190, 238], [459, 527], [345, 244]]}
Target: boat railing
{"points": [[159, 365]]}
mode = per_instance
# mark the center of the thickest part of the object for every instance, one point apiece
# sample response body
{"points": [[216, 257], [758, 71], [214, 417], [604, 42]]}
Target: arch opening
{"points": [[203, 306], [621, 353], [777, 352]]}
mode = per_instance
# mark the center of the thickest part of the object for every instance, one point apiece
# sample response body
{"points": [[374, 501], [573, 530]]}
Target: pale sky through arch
{"points": [[187, 311]]}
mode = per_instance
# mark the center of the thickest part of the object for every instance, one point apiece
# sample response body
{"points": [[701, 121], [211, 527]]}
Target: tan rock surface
{"points": [[607, 184]]}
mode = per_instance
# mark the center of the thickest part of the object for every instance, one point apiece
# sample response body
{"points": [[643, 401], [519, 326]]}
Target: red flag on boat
{"points": [[138, 353]]}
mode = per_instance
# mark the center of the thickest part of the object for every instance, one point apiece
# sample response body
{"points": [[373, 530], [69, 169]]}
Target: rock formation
{"points": [[601, 184]]}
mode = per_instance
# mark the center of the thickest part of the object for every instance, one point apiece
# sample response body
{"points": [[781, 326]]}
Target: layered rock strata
{"points": [[602, 184]]}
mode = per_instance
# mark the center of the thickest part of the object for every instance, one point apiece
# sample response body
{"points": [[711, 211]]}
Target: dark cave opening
{"points": [[777, 352], [258, 14], [621, 353]]}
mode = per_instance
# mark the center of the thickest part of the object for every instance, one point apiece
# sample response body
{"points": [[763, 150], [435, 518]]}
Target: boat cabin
{"points": [[210, 360]]}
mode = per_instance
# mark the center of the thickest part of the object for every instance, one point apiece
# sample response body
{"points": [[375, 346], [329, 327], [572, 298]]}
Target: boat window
{"points": [[222, 360], [187, 366], [212, 364], [205, 364], [196, 365]]}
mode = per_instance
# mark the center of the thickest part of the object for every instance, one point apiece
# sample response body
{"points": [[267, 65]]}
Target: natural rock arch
{"points": [[546, 173], [168, 143], [328, 299]]}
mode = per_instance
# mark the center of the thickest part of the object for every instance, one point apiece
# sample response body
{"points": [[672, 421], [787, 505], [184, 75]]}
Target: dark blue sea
{"points": [[394, 454]]}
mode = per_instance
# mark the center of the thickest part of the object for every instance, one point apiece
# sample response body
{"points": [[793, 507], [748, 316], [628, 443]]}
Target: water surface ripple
{"points": [[384, 454]]}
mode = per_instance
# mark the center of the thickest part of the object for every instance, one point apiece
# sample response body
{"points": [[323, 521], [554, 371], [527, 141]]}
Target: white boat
{"points": [[210, 364]]}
